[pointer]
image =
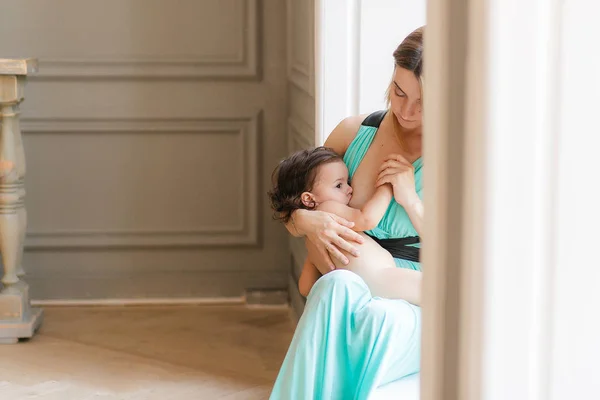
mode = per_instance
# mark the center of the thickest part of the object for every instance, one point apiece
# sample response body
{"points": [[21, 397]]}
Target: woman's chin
{"points": [[407, 125]]}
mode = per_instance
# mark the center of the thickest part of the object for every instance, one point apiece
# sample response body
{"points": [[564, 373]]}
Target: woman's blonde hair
{"points": [[408, 55]]}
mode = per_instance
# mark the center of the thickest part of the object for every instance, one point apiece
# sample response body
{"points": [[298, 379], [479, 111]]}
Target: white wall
{"points": [[383, 26]]}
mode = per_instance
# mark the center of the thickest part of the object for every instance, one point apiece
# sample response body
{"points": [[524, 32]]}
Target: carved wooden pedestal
{"points": [[17, 318]]}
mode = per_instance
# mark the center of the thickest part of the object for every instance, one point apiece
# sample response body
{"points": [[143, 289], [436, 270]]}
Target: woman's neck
{"points": [[410, 141]]}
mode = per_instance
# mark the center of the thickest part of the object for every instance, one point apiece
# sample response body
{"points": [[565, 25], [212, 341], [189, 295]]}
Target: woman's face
{"points": [[405, 97]]}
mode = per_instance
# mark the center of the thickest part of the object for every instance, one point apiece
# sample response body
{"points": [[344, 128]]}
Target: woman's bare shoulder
{"points": [[343, 134]]}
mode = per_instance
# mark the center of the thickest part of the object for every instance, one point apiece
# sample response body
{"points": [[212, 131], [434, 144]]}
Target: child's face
{"points": [[331, 184]]}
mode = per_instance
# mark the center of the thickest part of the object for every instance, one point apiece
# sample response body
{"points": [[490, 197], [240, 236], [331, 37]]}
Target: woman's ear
{"points": [[308, 199]]}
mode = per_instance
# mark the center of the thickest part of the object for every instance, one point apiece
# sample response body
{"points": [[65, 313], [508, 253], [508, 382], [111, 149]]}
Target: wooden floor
{"points": [[179, 353]]}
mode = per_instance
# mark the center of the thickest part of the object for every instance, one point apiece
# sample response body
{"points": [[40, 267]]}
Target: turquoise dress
{"points": [[348, 343]]}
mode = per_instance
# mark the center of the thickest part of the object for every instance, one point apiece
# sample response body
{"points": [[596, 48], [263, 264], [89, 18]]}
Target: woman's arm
{"points": [[304, 222], [415, 211], [328, 233]]}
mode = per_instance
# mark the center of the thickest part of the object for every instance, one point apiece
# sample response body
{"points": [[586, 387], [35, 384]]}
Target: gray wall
{"points": [[301, 122], [151, 132]]}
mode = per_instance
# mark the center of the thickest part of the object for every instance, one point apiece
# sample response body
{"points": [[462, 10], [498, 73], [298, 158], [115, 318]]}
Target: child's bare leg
{"points": [[308, 277], [400, 283], [393, 283]]}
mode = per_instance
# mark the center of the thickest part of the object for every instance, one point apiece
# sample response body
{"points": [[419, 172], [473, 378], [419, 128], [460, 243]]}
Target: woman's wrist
{"points": [[416, 205], [410, 201], [298, 216], [415, 211]]}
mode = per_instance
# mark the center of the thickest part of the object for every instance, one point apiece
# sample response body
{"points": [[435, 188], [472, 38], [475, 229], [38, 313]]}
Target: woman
{"points": [[348, 343]]}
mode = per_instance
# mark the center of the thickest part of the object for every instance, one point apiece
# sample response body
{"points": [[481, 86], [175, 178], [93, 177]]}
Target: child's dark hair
{"points": [[295, 175]]}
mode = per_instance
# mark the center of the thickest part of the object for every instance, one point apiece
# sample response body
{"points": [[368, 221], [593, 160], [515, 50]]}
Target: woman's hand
{"points": [[398, 172], [328, 233]]}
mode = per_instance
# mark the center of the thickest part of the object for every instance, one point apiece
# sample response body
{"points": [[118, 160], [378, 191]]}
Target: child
{"points": [[318, 179]]}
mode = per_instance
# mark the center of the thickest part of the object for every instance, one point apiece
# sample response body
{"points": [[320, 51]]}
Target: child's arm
{"points": [[308, 277], [369, 215]]}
